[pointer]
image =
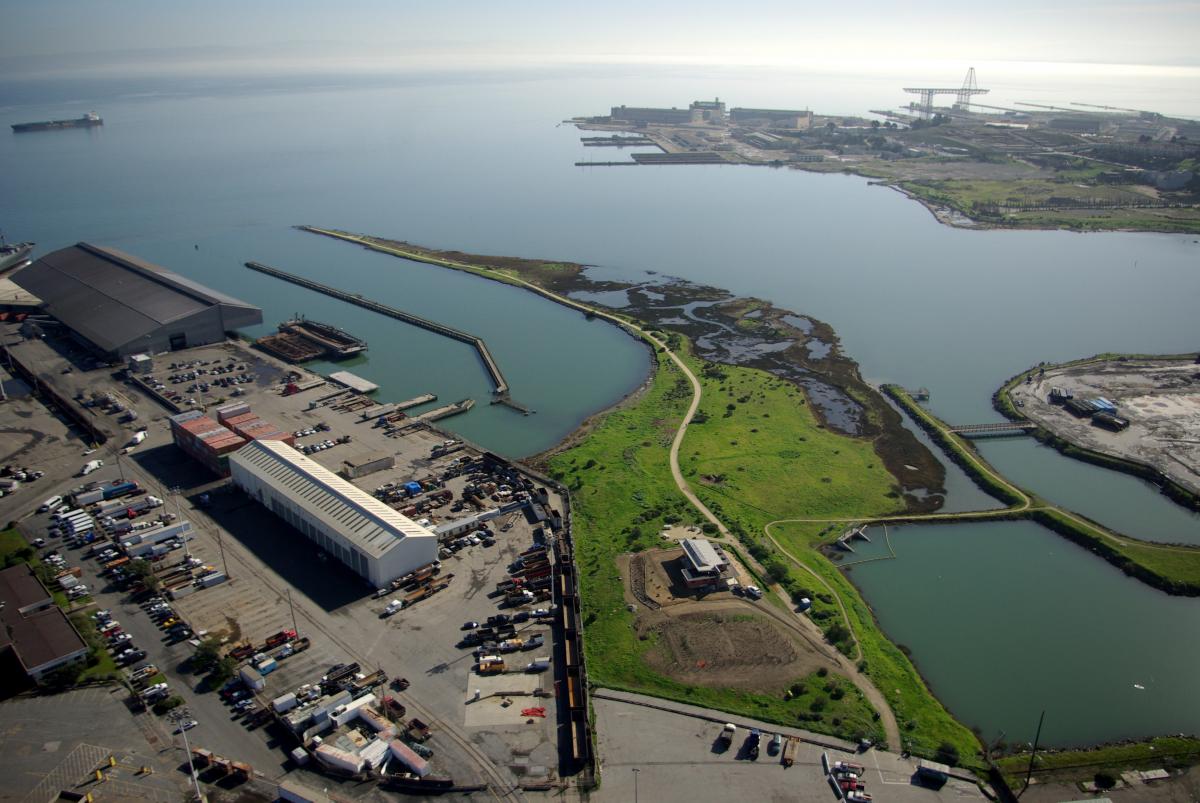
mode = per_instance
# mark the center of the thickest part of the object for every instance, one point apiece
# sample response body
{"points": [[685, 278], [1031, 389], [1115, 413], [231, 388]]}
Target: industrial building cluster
{"points": [[712, 112]]}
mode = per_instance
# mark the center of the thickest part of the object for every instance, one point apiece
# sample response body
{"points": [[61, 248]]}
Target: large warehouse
{"points": [[348, 523], [121, 305]]}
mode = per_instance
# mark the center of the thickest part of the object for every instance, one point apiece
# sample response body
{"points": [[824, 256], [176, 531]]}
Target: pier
{"points": [[489, 362], [445, 412], [616, 141]]}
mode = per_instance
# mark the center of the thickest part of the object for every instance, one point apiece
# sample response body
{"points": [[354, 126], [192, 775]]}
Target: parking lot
{"points": [[280, 580], [675, 756], [56, 743]]}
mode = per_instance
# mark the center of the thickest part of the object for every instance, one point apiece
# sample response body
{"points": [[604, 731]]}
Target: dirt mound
{"points": [[730, 648]]}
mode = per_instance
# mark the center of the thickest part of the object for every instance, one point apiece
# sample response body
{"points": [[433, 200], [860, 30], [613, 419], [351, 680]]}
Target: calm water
{"points": [[482, 164], [1021, 642]]}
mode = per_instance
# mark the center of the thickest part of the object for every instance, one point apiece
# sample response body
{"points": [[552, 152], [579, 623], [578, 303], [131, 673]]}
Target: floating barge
{"points": [[301, 340]]}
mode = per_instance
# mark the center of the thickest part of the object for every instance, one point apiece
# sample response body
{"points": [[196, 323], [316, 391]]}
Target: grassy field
{"points": [[967, 195], [761, 455], [622, 492]]}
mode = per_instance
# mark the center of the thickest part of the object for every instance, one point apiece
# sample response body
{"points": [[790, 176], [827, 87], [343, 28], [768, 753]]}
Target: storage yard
{"points": [[1147, 411], [377, 680]]}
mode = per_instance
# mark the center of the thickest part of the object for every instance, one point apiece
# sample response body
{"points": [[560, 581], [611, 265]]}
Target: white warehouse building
{"points": [[368, 536]]}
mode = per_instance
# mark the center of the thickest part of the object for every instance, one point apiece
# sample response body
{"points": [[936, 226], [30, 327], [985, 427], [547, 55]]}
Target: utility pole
{"points": [[636, 773], [179, 719], [292, 608], [1037, 737], [221, 548]]}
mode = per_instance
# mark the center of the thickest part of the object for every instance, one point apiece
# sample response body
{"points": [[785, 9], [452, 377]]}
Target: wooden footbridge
{"points": [[996, 429]]}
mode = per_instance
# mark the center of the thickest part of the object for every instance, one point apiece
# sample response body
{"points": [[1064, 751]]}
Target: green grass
{"points": [[14, 548], [622, 494], [1164, 752], [761, 455], [100, 663]]}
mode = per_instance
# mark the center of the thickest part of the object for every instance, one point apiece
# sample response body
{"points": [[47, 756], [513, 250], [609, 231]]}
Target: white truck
{"points": [[90, 466]]}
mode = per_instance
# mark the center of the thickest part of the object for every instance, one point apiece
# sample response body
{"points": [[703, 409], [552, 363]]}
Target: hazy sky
{"points": [[56, 37]]}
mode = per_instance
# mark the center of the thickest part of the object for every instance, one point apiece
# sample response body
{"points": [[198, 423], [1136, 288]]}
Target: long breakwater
{"points": [[501, 389]]}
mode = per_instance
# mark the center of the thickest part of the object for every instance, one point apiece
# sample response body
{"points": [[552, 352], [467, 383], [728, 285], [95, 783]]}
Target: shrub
{"points": [[163, 706], [947, 754]]}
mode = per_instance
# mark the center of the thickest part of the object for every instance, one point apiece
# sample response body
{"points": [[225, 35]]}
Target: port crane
{"points": [[963, 94]]}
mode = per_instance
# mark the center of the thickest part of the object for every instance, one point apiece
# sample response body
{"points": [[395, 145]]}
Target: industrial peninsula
{"points": [[1083, 166]]}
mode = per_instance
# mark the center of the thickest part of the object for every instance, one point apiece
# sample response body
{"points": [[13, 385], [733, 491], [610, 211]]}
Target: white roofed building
{"points": [[366, 535], [702, 564]]}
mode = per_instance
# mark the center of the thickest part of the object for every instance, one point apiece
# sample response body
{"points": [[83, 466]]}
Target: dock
{"points": [[354, 382], [460, 406], [616, 141], [416, 401], [489, 362]]}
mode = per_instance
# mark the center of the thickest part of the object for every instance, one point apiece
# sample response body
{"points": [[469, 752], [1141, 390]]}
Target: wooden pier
{"points": [[489, 362]]}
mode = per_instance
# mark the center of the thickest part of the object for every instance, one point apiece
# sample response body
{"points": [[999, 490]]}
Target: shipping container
{"points": [[253, 680], [210, 580], [284, 703]]}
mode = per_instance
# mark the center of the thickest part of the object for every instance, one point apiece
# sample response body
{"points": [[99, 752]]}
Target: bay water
{"points": [[202, 176]]}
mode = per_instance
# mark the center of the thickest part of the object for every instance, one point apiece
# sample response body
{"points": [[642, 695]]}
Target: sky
{"points": [[63, 38]]}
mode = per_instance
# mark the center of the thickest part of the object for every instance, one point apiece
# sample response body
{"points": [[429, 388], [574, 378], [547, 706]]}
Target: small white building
{"points": [[702, 563], [366, 535]]}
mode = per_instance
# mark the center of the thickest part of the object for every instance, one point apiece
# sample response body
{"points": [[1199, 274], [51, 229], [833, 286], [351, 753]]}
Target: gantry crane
{"points": [[963, 94]]}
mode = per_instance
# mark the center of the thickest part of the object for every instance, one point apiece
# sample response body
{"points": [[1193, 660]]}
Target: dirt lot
{"points": [[715, 639], [1161, 400], [726, 644]]}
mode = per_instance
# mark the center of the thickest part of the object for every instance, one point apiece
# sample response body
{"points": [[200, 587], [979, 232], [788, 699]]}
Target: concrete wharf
{"points": [[489, 362], [415, 402]]}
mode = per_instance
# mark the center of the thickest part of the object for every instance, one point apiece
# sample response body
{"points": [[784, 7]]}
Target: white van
{"points": [[49, 504], [91, 466]]}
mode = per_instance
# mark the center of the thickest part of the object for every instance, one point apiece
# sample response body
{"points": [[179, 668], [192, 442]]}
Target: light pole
{"points": [[178, 718], [636, 772]]}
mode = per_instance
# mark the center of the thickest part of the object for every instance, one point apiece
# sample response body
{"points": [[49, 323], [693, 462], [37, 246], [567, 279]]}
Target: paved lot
{"points": [[675, 760], [54, 743], [267, 561]]}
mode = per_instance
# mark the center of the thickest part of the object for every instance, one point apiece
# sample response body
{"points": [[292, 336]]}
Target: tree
{"points": [[223, 671], [777, 572], [142, 569], [207, 655], [63, 677], [948, 754]]}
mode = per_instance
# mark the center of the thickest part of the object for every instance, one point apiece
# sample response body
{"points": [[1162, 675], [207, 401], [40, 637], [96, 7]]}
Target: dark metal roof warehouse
{"points": [[122, 305]]}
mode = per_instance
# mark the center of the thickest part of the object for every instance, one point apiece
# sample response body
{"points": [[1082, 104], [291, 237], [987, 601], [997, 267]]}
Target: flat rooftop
{"points": [[703, 555]]}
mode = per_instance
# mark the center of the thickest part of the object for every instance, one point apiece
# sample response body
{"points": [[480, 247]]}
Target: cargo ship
{"points": [[89, 120], [301, 340]]}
